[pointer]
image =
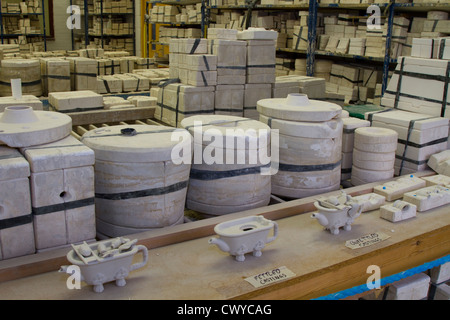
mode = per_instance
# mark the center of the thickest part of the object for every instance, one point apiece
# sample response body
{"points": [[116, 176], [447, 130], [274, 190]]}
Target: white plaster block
{"points": [[370, 201], [438, 179], [109, 84], [440, 161], [412, 288], [398, 211], [257, 33], [75, 100], [83, 72], [143, 101], [428, 198], [27, 100], [229, 100], [222, 33], [440, 273], [442, 292], [201, 62], [394, 190]]}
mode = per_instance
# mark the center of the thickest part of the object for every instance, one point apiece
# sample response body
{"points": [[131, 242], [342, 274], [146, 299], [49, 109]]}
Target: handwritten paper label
{"points": [[366, 240], [269, 277]]}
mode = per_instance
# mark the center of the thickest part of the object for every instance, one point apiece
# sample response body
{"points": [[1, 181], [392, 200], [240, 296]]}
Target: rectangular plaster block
{"points": [[75, 100], [109, 84], [282, 87], [428, 198], [253, 93], [229, 100], [438, 161], [394, 190], [83, 72], [438, 179], [55, 73], [350, 124], [222, 33], [201, 78], [442, 291], [440, 273], [398, 211], [300, 38], [133, 82], [257, 34], [143, 101], [65, 153], [370, 201], [231, 54], [414, 287], [27, 100], [192, 46], [17, 241], [201, 62]]}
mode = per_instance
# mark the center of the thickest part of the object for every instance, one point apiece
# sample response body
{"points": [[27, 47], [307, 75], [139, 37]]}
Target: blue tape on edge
{"points": [[387, 280]]}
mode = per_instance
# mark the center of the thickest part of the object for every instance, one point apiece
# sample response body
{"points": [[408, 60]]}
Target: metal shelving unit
{"points": [[13, 35], [103, 37]]}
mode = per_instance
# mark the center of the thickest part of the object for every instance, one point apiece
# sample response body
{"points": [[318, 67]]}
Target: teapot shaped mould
{"points": [[335, 212], [244, 235], [105, 261]]}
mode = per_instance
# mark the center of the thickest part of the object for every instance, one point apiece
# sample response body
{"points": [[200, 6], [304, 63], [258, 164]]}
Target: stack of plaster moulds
{"points": [[190, 63], [348, 139], [419, 137], [310, 144], [50, 175], [261, 64], [231, 71], [373, 155]]}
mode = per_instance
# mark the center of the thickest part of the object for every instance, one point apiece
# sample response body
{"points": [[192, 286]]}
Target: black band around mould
{"points": [[207, 175], [63, 206]]}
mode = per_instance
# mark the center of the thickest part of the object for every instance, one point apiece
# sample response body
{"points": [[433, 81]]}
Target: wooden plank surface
{"points": [[109, 116], [182, 265]]}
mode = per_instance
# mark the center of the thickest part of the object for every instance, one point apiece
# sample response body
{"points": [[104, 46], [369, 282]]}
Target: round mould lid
{"points": [[297, 107], [138, 143], [21, 126], [210, 127]]}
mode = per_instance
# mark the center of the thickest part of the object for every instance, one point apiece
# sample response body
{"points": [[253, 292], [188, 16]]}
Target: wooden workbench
{"points": [[182, 265]]}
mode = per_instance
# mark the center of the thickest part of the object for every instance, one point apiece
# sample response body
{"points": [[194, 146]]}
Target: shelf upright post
{"points": [[86, 24], [387, 54], [312, 22], [1, 20], [45, 29]]}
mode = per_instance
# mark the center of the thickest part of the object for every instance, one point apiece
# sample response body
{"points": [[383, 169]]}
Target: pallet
{"points": [[182, 265]]}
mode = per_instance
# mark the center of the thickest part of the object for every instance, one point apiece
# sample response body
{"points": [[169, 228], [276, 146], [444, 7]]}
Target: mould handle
{"points": [[139, 265], [275, 233]]}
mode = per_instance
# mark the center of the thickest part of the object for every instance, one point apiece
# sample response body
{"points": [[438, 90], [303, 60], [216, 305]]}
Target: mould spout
{"points": [[320, 218], [220, 243]]}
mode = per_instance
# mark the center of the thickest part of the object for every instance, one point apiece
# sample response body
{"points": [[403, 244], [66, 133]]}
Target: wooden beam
{"points": [[109, 116]]}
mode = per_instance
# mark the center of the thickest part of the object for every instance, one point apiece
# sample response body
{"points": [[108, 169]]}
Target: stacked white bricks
{"points": [[16, 232], [440, 281], [348, 138], [62, 192], [373, 155], [55, 73]]}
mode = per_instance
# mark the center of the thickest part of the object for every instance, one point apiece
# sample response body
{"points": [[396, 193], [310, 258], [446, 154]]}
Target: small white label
{"points": [[366, 240], [269, 277]]}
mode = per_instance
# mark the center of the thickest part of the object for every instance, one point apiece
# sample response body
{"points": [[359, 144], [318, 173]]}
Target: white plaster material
{"points": [[177, 101], [254, 92], [440, 162], [398, 211], [229, 100], [143, 101], [313, 87], [350, 124], [373, 139], [230, 181], [309, 151], [257, 33], [394, 190], [28, 70], [420, 94], [282, 87], [442, 292], [231, 60], [26, 100], [370, 201], [83, 73], [139, 183], [55, 75], [17, 239], [335, 212], [74, 101], [222, 33], [105, 261], [62, 192], [21, 126], [244, 235], [261, 61], [414, 287], [438, 179], [109, 84], [440, 273], [428, 198], [297, 107]]}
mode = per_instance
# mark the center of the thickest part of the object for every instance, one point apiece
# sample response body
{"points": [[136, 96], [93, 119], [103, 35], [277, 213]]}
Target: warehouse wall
{"points": [[63, 36]]}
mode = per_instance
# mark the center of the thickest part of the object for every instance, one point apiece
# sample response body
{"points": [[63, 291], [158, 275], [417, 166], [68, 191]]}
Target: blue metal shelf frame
{"points": [[44, 34]]}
